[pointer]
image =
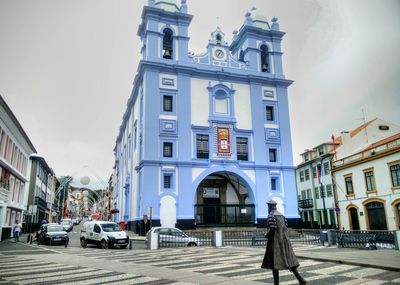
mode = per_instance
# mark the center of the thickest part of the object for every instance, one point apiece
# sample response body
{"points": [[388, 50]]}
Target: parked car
{"points": [[173, 236], [67, 224], [52, 234], [104, 234]]}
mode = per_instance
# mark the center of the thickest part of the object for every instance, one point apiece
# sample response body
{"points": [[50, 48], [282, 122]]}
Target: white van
{"points": [[104, 234]]}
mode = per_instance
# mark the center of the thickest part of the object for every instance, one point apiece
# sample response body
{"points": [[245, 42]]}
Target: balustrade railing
{"points": [[352, 239]]}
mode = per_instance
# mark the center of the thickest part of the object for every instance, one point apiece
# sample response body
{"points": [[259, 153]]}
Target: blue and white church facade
{"points": [[205, 139]]}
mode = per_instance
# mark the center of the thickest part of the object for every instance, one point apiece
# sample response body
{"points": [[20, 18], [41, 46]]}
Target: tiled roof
{"points": [[360, 128]]}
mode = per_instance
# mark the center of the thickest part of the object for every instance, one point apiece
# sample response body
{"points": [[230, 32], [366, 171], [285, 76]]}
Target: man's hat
{"points": [[271, 202]]}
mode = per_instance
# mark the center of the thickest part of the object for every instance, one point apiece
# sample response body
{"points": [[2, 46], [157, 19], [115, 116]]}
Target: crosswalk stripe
{"points": [[42, 280], [119, 277], [134, 281], [333, 269], [24, 264], [28, 269], [33, 275], [365, 272], [98, 277]]}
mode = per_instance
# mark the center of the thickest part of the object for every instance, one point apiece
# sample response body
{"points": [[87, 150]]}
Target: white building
{"points": [[368, 185], [15, 149], [359, 177]]}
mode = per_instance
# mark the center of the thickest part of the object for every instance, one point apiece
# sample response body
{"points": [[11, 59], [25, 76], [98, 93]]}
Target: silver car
{"points": [[173, 237], [67, 224]]}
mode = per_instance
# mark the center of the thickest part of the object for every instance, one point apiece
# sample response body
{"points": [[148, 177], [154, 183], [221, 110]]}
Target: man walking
{"points": [[279, 253], [17, 230]]}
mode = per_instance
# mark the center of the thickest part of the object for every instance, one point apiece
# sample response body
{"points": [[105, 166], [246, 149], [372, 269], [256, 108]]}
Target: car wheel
{"points": [[104, 244], [66, 243], [83, 242], [192, 244], [38, 241]]}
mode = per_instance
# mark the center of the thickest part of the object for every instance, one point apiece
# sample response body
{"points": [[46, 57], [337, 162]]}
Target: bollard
{"points": [[217, 238], [130, 244], [397, 240]]}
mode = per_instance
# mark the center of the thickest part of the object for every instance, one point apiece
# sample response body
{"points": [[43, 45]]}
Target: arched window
{"points": [[264, 59], [221, 103], [221, 107], [241, 56], [167, 44], [219, 39]]}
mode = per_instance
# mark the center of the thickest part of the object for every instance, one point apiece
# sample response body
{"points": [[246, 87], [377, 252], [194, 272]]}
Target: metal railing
{"points": [[189, 238], [244, 238], [250, 238], [370, 152], [307, 236], [366, 239], [207, 238]]}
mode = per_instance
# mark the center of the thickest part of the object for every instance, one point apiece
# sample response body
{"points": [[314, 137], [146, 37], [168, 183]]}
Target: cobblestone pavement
{"points": [[179, 266]]}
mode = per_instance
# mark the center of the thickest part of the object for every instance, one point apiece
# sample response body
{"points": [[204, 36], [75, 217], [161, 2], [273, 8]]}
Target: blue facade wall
{"points": [[156, 180]]}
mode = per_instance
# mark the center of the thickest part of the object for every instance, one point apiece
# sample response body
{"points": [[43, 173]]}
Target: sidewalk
{"points": [[387, 259]]}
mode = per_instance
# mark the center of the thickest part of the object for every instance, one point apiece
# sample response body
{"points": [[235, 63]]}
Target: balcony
{"points": [[370, 152], [306, 203]]}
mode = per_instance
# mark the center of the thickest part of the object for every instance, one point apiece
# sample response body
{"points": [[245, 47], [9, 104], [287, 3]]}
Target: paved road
{"points": [[30, 264]]}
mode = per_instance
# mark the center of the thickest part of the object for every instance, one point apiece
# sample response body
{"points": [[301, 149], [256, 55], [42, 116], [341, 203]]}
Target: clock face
{"points": [[219, 53]]}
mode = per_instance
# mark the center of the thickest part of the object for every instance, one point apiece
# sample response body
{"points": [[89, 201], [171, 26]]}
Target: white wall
{"points": [[383, 185]]}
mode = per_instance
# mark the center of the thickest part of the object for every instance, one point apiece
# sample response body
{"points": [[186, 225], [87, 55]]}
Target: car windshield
{"points": [[55, 228], [65, 222], [111, 227]]}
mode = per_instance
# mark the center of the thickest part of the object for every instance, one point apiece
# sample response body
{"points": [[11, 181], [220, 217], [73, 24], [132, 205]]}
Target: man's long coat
{"points": [[279, 253]]}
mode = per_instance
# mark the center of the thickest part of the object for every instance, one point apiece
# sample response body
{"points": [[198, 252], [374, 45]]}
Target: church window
{"points": [[221, 102], [264, 59], [242, 149], [272, 155], [167, 44], [202, 146], [218, 39], [167, 103], [269, 113], [241, 56], [273, 183], [167, 149], [167, 181]]}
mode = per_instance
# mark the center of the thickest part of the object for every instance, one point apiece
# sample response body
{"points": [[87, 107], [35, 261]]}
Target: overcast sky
{"points": [[67, 67]]}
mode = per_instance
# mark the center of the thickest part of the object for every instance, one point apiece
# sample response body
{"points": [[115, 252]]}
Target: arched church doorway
{"points": [[222, 199]]}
